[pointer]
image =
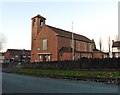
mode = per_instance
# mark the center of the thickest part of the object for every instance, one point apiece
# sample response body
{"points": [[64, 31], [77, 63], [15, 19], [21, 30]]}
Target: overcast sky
{"points": [[91, 18]]}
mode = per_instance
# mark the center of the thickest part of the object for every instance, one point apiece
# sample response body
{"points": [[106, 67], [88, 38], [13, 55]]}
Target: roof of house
{"points": [[19, 51], [116, 44], [94, 45], [96, 50], [68, 34], [67, 49]]}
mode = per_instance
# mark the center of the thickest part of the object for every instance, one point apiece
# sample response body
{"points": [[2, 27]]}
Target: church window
{"points": [[44, 44]]}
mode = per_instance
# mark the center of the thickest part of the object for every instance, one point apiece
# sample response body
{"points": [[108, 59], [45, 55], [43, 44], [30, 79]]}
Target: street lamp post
{"points": [[72, 43]]}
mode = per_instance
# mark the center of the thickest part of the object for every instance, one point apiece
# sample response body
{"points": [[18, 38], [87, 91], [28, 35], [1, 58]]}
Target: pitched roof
{"points": [[94, 45], [39, 16], [19, 52], [67, 49], [68, 34], [116, 44]]}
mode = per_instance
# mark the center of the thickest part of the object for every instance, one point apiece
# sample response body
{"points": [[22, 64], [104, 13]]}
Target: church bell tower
{"points": [[37, 23]]}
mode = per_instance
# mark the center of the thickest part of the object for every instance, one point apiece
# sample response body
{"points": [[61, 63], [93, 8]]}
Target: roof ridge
{"points": [[64, 30], [59, 28], [69, 33], [15, 49], [18, 49]]}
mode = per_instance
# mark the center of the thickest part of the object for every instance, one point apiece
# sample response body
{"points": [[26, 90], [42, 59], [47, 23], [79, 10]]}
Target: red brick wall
{"points": [[63, 42], [79, 45], [65, 56], [45, 33], [7, 55], [83, 46], [98, 55]]}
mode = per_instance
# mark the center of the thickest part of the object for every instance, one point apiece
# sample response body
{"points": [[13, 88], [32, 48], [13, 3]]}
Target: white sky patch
{"points": [[91, 18], [100, 26], [60, 1]]}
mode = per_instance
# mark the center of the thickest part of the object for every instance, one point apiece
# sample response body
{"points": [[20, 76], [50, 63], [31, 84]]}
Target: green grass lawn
{"points": [[79, 74]]}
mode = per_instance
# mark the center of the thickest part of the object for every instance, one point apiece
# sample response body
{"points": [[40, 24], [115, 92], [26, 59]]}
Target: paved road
{"points": [[13, 83]]}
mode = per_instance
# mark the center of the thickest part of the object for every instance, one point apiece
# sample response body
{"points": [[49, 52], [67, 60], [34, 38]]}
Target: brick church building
{"points": [[51, 44]]}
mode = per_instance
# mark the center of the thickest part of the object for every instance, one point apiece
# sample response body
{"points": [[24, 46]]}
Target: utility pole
{"points": [[72, 43], [109, 44]]}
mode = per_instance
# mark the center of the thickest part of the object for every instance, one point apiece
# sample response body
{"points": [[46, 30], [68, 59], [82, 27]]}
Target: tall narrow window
{"points": [[78, 46], [44, 44], [34, 23], [41, 22]]}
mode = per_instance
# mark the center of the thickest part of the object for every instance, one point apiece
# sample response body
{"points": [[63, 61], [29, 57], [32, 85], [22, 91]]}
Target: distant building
{"points": [[116, 49], [52, 44], [97, 53], [116, 44], [2, 57], [17, 55]]}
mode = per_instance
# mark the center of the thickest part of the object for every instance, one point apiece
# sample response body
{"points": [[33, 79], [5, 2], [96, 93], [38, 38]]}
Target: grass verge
{"points": [[113, 75]]}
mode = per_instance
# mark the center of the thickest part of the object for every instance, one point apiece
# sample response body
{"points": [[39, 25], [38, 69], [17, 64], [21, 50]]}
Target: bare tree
{"points": [[100, 43], [116, 38], [2, 41]]}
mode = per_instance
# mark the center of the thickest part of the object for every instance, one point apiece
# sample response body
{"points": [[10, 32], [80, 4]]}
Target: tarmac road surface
{"points": [[14, 83]]}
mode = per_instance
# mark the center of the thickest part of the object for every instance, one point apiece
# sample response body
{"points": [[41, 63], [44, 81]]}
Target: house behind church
{"points": [[17, 55]]}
